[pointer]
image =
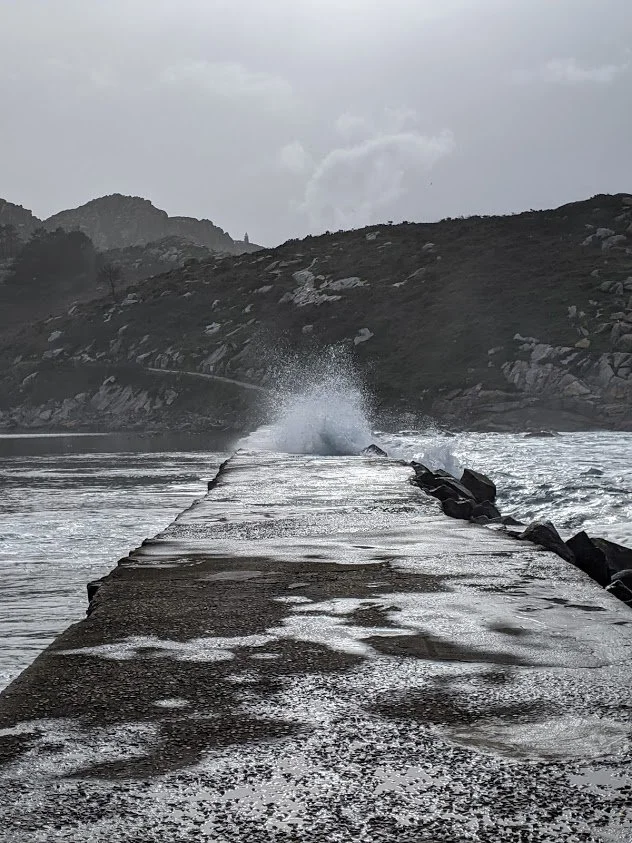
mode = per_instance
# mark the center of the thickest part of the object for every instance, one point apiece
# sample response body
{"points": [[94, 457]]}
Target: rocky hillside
{"points": [[20, 218], [117, 222], [493, 323], [127, 232]]}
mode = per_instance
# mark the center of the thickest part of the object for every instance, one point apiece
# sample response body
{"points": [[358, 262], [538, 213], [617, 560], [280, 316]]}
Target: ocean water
{"points": [[70, 507]]}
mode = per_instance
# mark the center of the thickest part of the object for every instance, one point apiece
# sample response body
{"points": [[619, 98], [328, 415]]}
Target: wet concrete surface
{"points": [[315, 652]]}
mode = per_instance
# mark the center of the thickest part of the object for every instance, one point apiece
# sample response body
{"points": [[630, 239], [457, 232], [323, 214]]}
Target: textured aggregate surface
{"points": [[314, 652]]}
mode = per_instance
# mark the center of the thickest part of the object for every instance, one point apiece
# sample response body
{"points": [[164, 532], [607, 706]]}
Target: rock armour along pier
{"points": [[313, 651]]}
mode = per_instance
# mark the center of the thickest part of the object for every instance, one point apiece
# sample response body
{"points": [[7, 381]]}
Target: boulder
{"points": [[485, 509], [479, 485], [614, 240], [624, 343], [458, 508], [618, 557], [545, 534], [428, 479], [621, 586], [373, 451], [448, 487], [589, 558]]}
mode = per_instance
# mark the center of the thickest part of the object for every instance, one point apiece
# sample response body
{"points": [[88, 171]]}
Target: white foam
{"points": [[318, 407]]}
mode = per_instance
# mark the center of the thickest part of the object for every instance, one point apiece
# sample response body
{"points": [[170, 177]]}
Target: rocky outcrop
{"points": [[593, 384], [156, 258], [20, 218], [116, 222]]}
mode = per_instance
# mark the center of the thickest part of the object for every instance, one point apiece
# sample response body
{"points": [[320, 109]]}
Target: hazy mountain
{"points": [[116, 221]]}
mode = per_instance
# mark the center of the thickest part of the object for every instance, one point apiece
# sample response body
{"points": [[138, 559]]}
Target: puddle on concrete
{"points": [[555, 739], [193, 650]]}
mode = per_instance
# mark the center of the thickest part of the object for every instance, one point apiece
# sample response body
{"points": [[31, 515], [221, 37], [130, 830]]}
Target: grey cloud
{"points": [[232, 80], [283, 117], [570, 72]]}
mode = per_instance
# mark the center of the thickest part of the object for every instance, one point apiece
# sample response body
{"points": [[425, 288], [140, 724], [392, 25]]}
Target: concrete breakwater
{"points": [[313, 651]]}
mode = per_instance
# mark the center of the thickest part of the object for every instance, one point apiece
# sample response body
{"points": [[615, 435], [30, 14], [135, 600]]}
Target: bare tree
{"points": [[111, 275]]}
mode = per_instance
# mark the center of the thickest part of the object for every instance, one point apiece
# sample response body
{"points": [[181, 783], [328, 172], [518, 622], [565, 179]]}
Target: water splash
{"points": [[428, 446], [319, 406]]}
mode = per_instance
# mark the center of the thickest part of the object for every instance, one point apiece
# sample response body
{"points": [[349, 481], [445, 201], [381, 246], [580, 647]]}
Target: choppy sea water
{"points": [[70, 507]]}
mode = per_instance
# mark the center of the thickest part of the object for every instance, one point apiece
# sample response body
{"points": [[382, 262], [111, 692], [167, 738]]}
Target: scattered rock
{"points": [[486, 509], [545, 534], [479, 485], [374, 451], [611, 242], [510, 521], [54, 336], [28, 380], [621, 586], [303, 276], [345, 283], [589, 558], [624, 343], [618, 557], [362, 336], [449, 487], [458, 508]]}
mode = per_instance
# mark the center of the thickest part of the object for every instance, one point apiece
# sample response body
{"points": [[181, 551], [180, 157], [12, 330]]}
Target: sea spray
{"points": [[428, 446], [319, 405]]}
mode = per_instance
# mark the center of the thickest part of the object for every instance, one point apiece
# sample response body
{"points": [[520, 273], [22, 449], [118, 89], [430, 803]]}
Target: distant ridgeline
{"points": [[494, 323], [115, 237]]}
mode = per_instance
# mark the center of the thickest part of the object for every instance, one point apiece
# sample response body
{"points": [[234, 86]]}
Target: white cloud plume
{"points": [[294, 158], [351, 184], [231, 80], [353, 127]]}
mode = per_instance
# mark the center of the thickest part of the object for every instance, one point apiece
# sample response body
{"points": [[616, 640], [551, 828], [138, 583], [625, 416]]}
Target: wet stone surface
{"points": [[314, 652]]}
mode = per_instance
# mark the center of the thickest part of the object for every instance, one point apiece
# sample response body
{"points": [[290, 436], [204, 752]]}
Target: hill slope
{"points": [[493, 322]]}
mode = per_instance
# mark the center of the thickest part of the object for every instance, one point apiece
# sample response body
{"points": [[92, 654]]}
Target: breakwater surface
{"points": [[314, 651], [71, 505]]}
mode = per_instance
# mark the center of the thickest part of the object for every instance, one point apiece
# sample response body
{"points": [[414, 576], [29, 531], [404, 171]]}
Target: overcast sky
{"points": [[285, 117]]}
